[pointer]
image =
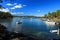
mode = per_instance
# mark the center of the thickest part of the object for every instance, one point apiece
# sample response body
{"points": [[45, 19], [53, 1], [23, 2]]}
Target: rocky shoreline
{"points": [[6, 35]]}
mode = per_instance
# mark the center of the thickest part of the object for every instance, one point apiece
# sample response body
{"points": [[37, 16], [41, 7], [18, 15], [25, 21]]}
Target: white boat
{"points": [[19, 22], [54, 31], [50, 22]]}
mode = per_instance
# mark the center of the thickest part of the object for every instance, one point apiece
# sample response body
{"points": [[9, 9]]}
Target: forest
{"points": [[53, 15], [5, 15]]}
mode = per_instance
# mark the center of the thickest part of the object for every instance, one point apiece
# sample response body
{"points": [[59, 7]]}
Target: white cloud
{"points": [[38, 10], [17, 13], [15, 3], [9, 4], [13, 12], [24, 5], [18, 6], [4, 10], [12, 8]]}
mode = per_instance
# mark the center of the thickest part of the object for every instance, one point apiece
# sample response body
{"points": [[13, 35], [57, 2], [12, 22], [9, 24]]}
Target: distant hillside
{"points": [[27, 16], [5, 15], [55, 16]]}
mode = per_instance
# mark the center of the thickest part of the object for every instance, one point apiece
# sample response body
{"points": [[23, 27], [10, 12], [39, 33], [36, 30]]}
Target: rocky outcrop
{"points": [[4, 34]]}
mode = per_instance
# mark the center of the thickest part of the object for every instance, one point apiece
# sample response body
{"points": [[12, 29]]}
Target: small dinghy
{"points": [[19, 22]]}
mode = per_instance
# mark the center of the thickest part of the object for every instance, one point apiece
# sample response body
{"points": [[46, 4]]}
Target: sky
{"points": [[31, 7]]}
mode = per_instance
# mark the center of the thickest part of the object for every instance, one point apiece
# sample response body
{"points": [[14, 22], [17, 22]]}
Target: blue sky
{"points": [[32, 7]]}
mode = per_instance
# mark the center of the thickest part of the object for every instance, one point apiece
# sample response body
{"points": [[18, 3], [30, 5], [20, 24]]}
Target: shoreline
{"points": [[56, 19], [52, 19]]}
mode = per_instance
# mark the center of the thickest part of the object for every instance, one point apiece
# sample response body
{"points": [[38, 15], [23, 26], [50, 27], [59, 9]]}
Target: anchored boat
{"points": [[54, 31], [50, 22], [19, 22]]}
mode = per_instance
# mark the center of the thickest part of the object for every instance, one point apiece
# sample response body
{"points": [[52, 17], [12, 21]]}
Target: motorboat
{"points": [[50, 22], [19, 22], [54, 31]]}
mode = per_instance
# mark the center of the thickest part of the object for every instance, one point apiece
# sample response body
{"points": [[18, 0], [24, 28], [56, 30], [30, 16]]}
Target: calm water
{"points": [[28, 25]]}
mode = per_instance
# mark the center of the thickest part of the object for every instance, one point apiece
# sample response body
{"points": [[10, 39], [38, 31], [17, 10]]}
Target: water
{"points": [[29, 25]]}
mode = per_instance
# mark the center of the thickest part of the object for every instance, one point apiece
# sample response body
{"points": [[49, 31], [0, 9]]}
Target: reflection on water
{"points": [[29, 25]]}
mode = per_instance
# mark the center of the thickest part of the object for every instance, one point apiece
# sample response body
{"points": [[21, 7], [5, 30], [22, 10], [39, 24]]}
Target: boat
{"points": [[54, 31], [50, 22], [57, 23], [19, 22]]}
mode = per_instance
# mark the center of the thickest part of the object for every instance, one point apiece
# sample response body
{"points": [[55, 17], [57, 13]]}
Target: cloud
{"points": [[15, 3], [13, 12], [12, 8], [9, 4], [24, 5], [38, 10], [17, 13], [18, 6], [4, 10]]}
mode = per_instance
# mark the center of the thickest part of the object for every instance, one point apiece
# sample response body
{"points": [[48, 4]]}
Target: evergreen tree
{"points": [[55, 14]]}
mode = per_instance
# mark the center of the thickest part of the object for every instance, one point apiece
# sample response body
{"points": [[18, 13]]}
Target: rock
{"points": [[4, 33]]}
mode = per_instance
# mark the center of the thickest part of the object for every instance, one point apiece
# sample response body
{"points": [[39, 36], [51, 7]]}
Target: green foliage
{"points": [[45, 15], [5, 15], [55, 14]]}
